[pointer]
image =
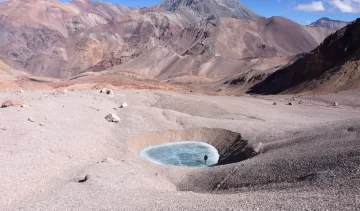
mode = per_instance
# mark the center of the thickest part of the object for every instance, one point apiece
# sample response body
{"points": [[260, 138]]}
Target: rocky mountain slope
{"points": [[329, 23], [5, 69], [209, 9], [214, 39], [333, 66]]}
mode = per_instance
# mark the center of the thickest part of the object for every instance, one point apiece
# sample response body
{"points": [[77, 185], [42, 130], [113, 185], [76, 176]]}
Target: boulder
{"points": [[86, 178], [124, 105], [112, 118], [10, 103], [336, 104], [107, 92]]}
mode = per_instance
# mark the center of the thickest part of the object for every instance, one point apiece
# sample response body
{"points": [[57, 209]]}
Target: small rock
{"points": [[300, 102], [60, 93], [275, 103], [112, 118], [43, 97], [30, 120], [107, 92], [290, 104], [124, 105], [108, 160], [24, 106], [42, 125], [9, 103], [351, 129], [259, 148], [87, 177], [336, 104], [20, 92]]}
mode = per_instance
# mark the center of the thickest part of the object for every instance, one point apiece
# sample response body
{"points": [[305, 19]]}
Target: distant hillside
{"points": [[5, 69], [328, 23], [333, 66], [207, 38]]}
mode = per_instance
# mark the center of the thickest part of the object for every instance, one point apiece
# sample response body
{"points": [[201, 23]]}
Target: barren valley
{"points": [[86, 86]]}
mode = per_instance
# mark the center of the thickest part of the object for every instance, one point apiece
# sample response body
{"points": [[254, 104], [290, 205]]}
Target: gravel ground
{"points": [[310, 160]]}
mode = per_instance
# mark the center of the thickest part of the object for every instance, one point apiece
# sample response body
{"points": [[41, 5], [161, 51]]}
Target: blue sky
{"points": [[302, 11]]}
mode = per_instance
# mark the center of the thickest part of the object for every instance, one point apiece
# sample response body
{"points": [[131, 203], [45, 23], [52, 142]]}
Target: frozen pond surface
{"points": [[188, 153]]}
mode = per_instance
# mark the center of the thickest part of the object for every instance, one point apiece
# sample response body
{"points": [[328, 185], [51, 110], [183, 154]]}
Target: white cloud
{"points": [[315, 6], [347, 6]]}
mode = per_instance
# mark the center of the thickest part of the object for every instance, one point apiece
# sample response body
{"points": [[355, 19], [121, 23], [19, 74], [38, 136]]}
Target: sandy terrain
{"points": [[309, 156]]}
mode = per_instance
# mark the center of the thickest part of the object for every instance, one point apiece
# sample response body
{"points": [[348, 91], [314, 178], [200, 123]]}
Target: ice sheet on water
{"points": [[188, 153]]}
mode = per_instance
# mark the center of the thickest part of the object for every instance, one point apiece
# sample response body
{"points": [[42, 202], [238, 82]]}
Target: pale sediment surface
{"points": [[309, 153]]}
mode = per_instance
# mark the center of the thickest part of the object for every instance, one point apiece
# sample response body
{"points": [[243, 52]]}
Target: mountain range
{"points": [[178, 41]]}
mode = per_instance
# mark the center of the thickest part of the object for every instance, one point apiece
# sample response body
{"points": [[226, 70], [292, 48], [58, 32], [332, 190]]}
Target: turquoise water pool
{"points": [[187, 153]]}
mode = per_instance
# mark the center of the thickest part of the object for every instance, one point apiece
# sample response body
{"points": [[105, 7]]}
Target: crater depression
{"points": [[187, 153]]}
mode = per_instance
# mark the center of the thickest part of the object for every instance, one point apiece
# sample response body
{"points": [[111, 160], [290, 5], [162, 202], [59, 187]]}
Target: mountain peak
{"points": [[209, 8], [81, 1], [329, 23]]}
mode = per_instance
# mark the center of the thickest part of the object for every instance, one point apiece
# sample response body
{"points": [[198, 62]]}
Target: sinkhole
{"points": [[188, 147], [186, 153]]}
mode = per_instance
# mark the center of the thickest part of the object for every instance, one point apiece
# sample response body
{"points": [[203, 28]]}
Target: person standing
{"points": [[205, 158]]}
